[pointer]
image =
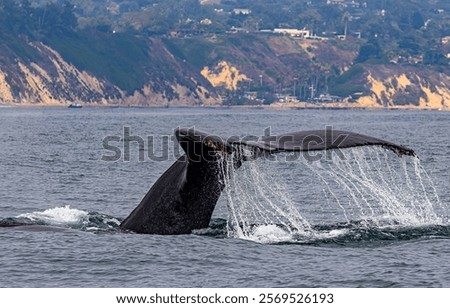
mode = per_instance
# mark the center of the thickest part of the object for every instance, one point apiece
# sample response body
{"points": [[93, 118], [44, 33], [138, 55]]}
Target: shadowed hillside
{"points": [[211, 53]]}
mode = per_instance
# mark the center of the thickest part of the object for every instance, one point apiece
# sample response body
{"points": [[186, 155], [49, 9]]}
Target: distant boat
{"points": [[75, 106]]}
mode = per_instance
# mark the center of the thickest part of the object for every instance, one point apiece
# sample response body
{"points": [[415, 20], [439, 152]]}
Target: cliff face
{"points": [[409, 87], [50, 81], [224, 75], [44, 76], [201, 71]]}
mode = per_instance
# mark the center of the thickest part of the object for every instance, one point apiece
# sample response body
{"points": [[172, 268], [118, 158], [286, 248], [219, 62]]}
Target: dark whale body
{"points": [[184, 197]]}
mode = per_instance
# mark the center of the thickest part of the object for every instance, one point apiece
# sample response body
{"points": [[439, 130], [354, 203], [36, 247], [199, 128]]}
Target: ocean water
{"points": [[370, 220]]}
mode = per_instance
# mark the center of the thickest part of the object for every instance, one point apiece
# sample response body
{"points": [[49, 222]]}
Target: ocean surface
{"points": [[361, 218]]}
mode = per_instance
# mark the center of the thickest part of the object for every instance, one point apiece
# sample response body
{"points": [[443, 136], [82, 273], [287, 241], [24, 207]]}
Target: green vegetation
{"points": [[194, 50], [345, 84], [18, 48], [120, 58], [132, 43]]}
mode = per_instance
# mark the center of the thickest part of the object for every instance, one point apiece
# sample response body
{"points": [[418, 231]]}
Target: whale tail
{"points": [[184, 197], [318, 140]]}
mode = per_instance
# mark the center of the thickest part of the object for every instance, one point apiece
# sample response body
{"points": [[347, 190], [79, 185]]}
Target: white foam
{"points": [[269, 234], [57, 215], [114, 221], [330, 234]]}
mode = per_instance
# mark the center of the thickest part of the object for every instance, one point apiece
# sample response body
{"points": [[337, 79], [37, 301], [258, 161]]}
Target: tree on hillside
{"points": [[21, 18], [370, 50], [417, 20]]}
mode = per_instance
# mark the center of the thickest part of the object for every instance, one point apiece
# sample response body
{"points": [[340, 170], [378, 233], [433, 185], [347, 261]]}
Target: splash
{"points": [[288, 197], [67, 217], [376, 186], [259, 205], [57, 216]]}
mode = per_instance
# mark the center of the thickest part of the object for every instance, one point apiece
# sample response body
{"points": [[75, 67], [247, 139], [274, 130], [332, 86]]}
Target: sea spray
{"points": [[57, 216], [258, 201], [382, 186], [70, 218], [369, 185]]}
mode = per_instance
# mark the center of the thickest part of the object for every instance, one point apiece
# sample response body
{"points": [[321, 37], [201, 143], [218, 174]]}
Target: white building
{"points": [[303, 33], [242, 11], [206, 22], [445, 40]]}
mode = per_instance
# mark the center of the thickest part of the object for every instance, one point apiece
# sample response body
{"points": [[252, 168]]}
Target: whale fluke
{"points": [[317, 140], [184, 197]]}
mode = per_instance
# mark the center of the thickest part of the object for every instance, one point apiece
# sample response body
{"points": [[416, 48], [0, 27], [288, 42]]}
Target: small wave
{"points": [[356, 235], [268, 234], [66, 217], [353, 233], [56, 216]]}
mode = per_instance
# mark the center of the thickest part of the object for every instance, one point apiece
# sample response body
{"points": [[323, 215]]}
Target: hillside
{"points": [[105, 70], [59, 54]]}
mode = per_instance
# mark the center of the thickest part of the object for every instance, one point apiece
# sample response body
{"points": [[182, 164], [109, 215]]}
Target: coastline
{"points": [[345, 106], [273, 106]]}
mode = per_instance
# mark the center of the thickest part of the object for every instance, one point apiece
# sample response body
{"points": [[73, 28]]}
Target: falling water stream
{"points": [[370, 187]]}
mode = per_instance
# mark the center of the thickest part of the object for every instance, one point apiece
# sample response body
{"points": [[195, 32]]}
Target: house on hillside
{"points": [[242, 11], [303, 33], [445, 40], [206, 22], [113, 8], [335, 2], [346, 3]]}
